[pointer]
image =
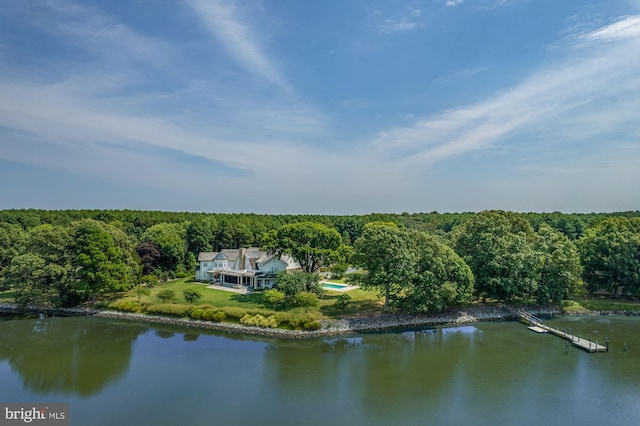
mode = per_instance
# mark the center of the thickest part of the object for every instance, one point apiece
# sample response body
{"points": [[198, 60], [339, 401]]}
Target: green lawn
{"points": [[363, 302]]}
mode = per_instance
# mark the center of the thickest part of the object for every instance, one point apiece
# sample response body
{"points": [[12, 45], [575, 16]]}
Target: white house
{"points": [[249, 267]]}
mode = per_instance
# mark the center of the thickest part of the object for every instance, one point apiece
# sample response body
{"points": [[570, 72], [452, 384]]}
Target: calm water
{"points": [[120, 373]]}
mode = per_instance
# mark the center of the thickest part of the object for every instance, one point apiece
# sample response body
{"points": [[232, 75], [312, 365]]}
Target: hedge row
{"points": [[253, 317]]}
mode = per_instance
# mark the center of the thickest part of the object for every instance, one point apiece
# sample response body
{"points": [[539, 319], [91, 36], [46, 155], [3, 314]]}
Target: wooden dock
{"points": [[535, 324]]}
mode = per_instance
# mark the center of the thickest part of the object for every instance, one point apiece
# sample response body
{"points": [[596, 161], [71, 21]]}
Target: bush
{"points": [[208, 314], [283, 317], [338, 270], [191, 296], [233, 312], [166, 295], [343, 301], [182, 274], [298, 321], [219, 316], [306, 300], [263, 312], [126, 306], [312, 326], [173, 309], [259, 321], [150, 280], [196, 313]]}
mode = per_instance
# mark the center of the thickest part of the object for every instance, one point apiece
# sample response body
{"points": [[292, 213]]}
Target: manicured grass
{"points": [[363, 302]]}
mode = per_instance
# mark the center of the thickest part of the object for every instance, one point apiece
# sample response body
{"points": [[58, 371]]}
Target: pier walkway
{"points": [[535, 324]]}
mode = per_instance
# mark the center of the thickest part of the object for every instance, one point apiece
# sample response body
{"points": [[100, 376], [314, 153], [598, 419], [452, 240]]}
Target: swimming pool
{"points": [[334, 286]]}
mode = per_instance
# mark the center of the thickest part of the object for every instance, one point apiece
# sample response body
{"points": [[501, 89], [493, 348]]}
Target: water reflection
{"points": [[67, 355]]}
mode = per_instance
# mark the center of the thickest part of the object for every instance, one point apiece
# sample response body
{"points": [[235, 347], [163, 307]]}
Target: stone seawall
{"points": [[378, 323]]}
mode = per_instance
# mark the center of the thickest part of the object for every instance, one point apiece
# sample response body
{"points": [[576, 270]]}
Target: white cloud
{"points": [[408, 21], [91, 29], [628, 27], [548, 99], [220, 18], [454, 2]]}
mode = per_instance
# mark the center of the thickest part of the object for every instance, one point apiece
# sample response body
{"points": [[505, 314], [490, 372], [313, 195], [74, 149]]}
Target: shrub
{"points": [[219, 316], [275, 297], [298, 321], [208, 314], [311, 326], [173, 309], [343, 301], [247, 319], [150, 280], [259, 321], [306, 300], [196, 313], [141, 291], [233, 312], [182, 274], [191, 296], [126, 306], [263, 312], [283, 317], [166, 295]]}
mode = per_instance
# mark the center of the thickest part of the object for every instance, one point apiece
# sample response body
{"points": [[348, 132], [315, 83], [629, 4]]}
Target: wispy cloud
{"points": [[91, 29], [451, 3], [628, 27], [593, 75], [410, 20], [221, 19]]}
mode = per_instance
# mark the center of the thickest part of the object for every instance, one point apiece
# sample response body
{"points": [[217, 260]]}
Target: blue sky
{"points": [[332, 107]]}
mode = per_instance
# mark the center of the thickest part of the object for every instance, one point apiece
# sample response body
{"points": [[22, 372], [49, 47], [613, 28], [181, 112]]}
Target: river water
{"points": [[115, 372]]}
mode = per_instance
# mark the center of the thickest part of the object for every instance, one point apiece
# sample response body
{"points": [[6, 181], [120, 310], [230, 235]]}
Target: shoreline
{"points": [[335, 327]]}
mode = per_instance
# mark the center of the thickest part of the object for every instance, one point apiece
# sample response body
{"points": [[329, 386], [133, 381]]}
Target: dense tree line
{"points": [[419, 262]]}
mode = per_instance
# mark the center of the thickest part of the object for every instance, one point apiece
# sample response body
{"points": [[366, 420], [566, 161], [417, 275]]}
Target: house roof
{"points": [[252, 253], [205, 256]]}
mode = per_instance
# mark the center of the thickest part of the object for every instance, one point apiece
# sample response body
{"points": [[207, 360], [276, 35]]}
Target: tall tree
{"points": [[36, 282], [293, 283], [610, 254], [101, 265], [43, 275], [311, 244], [560, 269], [441, 277], [199, 236], [384, 252], [12, 242], [169, 238], [496, 246], [150, 257]]}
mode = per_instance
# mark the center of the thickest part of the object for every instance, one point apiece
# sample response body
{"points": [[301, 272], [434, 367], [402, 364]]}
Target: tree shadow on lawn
{"points": [[258, 298]]}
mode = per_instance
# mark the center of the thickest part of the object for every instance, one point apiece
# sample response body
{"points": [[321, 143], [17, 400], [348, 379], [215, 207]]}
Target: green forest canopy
{"points": [[78, 254]]}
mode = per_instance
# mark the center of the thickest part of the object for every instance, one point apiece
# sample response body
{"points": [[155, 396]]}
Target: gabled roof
{"points": [[252, 253], [205, 256]]}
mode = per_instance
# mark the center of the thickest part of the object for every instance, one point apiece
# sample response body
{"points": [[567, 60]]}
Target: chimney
{"points": [[241, 258]]}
